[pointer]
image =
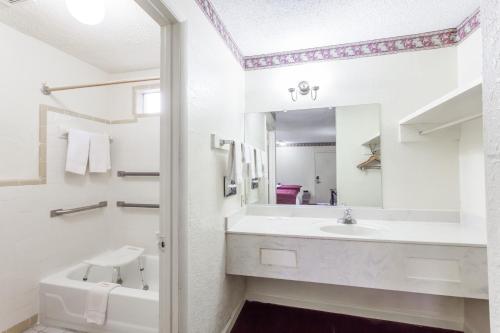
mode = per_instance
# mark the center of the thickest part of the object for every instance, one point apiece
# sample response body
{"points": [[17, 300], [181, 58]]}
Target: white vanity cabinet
{"points": [[433, 268]]}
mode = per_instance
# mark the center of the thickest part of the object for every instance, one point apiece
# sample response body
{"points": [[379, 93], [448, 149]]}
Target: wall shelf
{"points": [[374, 141], [442, 115]]}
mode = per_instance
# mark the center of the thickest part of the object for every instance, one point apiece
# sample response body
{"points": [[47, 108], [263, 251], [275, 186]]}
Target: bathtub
{"points": [[130, 309]]}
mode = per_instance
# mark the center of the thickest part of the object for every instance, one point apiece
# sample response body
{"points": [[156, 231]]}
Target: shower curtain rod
{"points": [[46, 90]]}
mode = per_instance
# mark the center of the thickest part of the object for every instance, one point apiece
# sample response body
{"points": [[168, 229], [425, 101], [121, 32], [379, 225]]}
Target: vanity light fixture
{"points": [[304, 89], [90, 12]]}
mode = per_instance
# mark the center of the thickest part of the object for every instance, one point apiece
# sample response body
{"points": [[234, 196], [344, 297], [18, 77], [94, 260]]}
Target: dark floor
{"points": [[268, 318]]}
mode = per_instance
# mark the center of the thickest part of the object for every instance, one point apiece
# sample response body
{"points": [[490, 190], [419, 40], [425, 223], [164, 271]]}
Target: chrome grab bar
{"points": [[59, 212], [136, 205], [137, 174]]}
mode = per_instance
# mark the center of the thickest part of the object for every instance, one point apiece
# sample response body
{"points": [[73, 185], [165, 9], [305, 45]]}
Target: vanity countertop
{"points": [[414, 232]]}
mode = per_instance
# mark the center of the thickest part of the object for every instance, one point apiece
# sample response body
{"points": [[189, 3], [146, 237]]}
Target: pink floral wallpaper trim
{"points": [[209, 10], [468, 26], [355, 50], [423, 41]]}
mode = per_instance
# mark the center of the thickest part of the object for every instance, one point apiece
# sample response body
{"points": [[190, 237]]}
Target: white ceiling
{"points": [[301, 126], [127, 40], [268, 26]]}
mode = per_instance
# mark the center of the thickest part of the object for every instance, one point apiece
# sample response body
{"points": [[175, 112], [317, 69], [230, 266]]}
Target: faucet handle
{"points": [[348, 211]]}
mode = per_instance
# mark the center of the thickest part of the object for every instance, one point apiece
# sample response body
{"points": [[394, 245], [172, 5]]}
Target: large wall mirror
{"points": [[323, 156]]}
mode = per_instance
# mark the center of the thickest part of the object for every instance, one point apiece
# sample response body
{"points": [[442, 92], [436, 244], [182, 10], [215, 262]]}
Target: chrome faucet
{"points": [[347, 219]]}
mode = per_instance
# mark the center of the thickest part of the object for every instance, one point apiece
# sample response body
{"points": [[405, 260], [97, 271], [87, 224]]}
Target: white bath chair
{"points": [[116, 259]]}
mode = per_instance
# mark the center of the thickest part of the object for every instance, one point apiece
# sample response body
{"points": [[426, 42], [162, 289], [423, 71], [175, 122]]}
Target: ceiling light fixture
{"points": [[304, 89], [90, 12]]}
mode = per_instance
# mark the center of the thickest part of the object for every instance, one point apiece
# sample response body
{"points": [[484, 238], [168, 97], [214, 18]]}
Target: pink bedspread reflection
{"points": [[287, 194]]}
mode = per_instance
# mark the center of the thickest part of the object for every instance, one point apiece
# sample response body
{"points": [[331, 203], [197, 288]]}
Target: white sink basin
{"points": [[350, 230]]}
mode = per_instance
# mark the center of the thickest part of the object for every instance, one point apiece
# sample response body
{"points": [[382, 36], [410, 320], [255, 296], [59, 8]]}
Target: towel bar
{"points": [[137, 174], [136, 205], [59, 212], [65, 136]]}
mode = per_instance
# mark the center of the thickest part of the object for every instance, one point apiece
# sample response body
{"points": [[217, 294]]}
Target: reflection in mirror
{"points": [[323, 156]]}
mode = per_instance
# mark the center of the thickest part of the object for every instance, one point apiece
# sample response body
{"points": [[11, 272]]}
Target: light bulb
{"points": [[90, 12]]}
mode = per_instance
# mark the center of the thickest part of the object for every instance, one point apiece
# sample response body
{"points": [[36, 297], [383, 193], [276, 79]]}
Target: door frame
{"points": [[316, 192], [173, 41]]}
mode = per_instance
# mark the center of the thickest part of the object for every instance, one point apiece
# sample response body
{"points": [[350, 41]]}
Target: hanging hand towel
{"points": [[231, 173], [100, 155], [247, 151], [97, 302], [238, 164], [252, 172], [258, 164], [78, 151]]}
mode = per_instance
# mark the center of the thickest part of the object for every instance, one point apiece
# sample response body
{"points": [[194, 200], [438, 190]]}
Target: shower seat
{"points": [[116, 259]]}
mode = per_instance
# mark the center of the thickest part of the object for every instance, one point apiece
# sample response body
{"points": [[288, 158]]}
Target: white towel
{"points": [[233, 169], [238, 164], [100, 154], [258, 164], [97, 302], [253, 175], [78, 151], [247, 154]]}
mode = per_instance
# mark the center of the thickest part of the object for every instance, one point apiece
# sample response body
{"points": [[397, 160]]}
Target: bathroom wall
{"points": [[471, 150], [469, 59], [400, 83], [136, 148], [20, 94], [32, 244], [296, 165], [215, 104], [355, 126], [490, 15], [120, 98]]}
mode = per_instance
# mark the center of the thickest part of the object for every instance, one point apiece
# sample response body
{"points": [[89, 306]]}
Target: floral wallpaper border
{"points": [[208, 9], [423, 41]]}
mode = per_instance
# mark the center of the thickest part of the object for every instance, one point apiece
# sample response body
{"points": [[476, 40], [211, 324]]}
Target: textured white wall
{"points": [[25, 63], [490, 18], [356, 125], [401, 84], [215, 97], [470, 59]]}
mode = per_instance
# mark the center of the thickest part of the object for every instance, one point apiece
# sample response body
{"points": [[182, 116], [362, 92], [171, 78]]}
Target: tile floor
{"points": [[44, 329]]}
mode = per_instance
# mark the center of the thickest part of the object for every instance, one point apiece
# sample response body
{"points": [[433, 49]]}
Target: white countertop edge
{"points": [[357, 239]]}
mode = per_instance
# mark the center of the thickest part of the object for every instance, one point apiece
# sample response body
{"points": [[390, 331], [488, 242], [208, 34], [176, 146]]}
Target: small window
{"points": [[148, 100]]}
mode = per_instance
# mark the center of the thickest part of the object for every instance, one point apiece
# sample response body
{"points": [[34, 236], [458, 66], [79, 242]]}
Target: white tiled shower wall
{"points": [[33, 245]]}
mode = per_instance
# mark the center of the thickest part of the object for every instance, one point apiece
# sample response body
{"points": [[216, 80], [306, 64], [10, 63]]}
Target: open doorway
{"points": [[100, 158]]}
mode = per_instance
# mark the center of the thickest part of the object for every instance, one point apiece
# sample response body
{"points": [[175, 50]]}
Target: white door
{"points": [[325, 167]]}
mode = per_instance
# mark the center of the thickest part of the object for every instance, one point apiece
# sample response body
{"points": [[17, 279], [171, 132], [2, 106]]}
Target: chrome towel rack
{"points": [[59, 212], [137, 174], [136, 205]]}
